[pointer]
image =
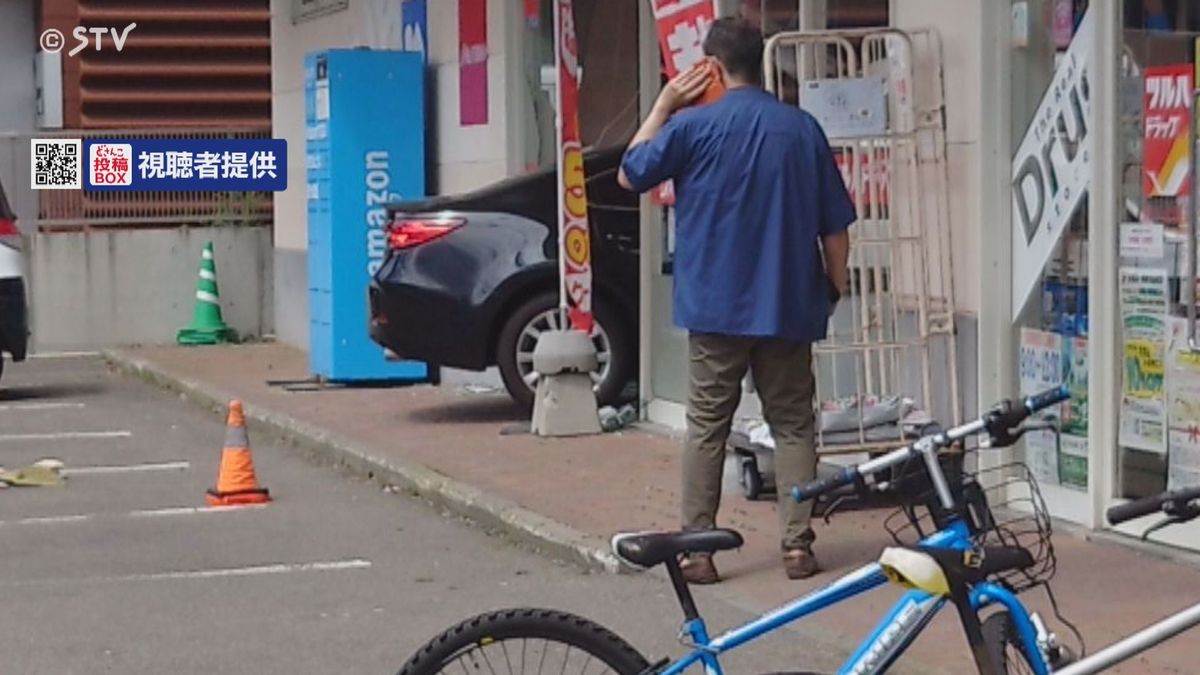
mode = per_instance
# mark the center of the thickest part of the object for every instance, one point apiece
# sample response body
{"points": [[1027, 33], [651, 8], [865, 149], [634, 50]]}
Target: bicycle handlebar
{"points": [[999, 423], [1153, 504]]}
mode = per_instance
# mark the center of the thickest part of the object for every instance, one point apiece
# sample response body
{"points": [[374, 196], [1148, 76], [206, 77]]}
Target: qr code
{"points": [[54, 164]]}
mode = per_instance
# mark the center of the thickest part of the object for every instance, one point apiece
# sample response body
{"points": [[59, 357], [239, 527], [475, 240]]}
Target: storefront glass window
{"points": [[608, 52], [1053, 334], [1159, 425]]}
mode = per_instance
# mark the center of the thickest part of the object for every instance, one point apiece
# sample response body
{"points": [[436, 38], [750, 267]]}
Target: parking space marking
{"points": [[52, 520], [214, 573], [193, 510], [145, 513], [126, 468], [247, 571], [61, 355], [66, 435], [47, 405]]}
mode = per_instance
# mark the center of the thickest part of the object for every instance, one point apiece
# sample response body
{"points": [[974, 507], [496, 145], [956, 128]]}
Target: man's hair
{"points": [[738, 46]]}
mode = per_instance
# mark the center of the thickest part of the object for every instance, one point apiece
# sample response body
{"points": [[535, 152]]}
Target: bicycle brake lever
{"points": [[833, 507], [1009, 437]]}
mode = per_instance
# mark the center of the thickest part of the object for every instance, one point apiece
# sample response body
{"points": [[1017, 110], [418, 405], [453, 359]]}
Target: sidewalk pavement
{"points": [[568, 496]]}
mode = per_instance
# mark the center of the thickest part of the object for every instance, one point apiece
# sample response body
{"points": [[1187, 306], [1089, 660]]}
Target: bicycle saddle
{"points": [[647, 549], [933, 569]]}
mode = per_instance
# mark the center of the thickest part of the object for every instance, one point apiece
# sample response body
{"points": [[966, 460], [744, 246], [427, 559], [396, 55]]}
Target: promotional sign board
{"points": [[575, 256], [1052, 167], [1166, 108]]}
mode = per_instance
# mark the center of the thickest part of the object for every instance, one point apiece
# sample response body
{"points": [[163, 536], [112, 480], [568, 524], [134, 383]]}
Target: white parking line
{"points": [[51, 520], [126, 468], [65, 435], [248, 571], [216, 573], [147, 513], [193, 510], [62, 355], [47, 405]]}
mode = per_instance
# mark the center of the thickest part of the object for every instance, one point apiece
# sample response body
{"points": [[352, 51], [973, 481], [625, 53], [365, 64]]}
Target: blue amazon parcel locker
{"points": [[365, 119]]}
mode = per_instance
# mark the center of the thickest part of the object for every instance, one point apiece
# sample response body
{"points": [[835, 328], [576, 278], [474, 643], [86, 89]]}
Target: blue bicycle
{"points": [[958, 544]]}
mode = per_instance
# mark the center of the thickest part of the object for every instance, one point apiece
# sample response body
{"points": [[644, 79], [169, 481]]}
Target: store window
{"points": [[1049, 105], [607, 34], [1159, 425]]}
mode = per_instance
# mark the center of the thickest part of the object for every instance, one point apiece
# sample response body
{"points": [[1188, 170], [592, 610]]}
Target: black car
{"points": [[471, 281], [14, 330]]}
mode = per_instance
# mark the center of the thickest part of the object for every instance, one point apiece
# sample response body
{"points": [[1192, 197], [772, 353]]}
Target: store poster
{"points": [[1073, 461], [1041, 368], [415, 20], [1166, 108], [1143, 294], [1183, 396], [472, 63], [1075, 410]]}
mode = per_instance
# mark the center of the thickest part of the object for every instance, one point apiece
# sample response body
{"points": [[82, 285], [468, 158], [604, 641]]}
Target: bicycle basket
{"points": [[1002, 506]]}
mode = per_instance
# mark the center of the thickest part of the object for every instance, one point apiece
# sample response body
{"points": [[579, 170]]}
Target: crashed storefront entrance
{"points": [[1070, 232]]}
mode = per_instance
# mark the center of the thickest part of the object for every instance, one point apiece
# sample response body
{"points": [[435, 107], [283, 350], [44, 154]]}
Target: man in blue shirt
{"points": [[760, 261]]}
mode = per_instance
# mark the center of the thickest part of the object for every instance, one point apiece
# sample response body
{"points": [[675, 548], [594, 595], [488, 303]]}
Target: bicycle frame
{"points": [[890, 639]]}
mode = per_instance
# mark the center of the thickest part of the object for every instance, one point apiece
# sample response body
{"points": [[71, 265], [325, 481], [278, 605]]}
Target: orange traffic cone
{"points": [[236, 483]]}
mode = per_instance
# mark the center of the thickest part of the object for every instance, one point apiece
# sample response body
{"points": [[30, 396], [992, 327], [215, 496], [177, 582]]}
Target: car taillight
{"points": [[9, 234], [410, 232]]}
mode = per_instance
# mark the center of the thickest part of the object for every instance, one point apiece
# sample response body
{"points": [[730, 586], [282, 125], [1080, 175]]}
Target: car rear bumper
{"points": [[424, 325], [14, 327]]}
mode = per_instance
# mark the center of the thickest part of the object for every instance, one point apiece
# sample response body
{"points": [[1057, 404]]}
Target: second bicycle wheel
{"points": [[524, 642]]}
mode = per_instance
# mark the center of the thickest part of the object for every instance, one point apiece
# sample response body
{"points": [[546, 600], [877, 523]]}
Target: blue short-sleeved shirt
{"points": [[756, 187]]}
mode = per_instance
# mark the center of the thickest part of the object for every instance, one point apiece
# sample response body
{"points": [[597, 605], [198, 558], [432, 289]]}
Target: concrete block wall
{"points": [[122, 287]]}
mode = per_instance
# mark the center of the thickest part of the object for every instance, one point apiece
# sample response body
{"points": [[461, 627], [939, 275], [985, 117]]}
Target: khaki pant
{"points": [[783, 378]]}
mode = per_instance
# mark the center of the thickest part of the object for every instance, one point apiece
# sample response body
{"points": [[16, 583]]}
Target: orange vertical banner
{"points": [[575, 256]]}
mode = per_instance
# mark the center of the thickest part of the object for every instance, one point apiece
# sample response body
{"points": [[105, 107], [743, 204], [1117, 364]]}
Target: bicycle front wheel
{"points": [[524, 642], [1004, 645]]}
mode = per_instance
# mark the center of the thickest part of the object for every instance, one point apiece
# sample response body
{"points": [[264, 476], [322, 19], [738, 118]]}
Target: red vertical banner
{"points": [[1166, 107], [472, 62], [681, 27], [575, 258]]}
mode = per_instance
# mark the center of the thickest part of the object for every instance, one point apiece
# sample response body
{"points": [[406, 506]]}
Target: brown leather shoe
{"points": [[800, 563], [699, 569]]}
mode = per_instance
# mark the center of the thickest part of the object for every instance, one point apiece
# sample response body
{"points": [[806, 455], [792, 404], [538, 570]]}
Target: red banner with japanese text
{"points": [[575, 258], [1166, 106], [682, 25]]}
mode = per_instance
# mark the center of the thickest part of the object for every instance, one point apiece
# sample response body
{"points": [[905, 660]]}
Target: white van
{"points": [[14, 329]]}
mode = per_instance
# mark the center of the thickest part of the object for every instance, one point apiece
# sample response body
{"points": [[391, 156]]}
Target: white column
{"points": [[649, 231], [997, 337], [1104, 331]]}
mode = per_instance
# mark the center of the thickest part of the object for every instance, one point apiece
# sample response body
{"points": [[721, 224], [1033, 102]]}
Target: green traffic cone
{"points": [[207, 326]]}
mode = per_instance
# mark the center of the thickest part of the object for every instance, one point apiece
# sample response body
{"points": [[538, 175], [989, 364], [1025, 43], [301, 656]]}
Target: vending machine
{"points": [[365, 148]]}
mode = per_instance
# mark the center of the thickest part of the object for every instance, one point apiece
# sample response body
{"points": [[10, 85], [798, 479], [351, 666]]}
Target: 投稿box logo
{"points": [[110, 164]]}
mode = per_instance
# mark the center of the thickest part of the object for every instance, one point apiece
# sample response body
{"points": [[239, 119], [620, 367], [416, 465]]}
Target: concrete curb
{"points": [[496, 513]]}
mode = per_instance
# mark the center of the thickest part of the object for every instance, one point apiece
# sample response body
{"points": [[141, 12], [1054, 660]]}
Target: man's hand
{"points": [[836, 251], [679, 92], [684, 88]]}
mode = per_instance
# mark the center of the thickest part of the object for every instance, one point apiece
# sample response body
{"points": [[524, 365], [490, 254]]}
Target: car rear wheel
{"points": [[521, 332]]}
